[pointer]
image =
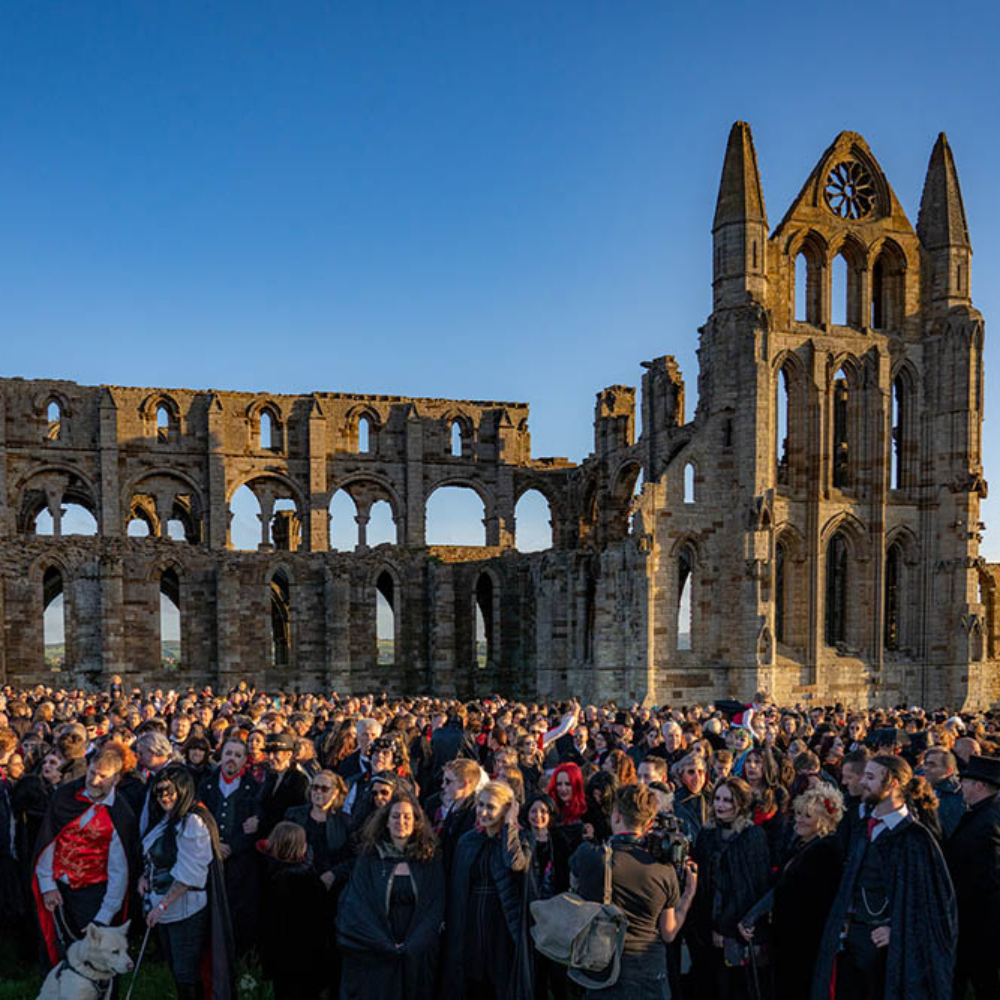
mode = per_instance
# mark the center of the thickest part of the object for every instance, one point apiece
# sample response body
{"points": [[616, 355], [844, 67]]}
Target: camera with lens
{"points": [[668, 843]]}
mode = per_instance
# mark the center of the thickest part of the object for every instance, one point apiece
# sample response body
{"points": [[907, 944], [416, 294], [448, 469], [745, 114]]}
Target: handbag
{"points": [[585, 936]]}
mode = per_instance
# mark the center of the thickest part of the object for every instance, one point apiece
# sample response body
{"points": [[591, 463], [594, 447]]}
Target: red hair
{"points": [[572, 811]]}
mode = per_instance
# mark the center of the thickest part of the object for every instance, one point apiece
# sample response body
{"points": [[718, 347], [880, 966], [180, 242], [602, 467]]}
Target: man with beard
{"points": [[231, 795], [82, 865], [895, 887], [973, 853]]}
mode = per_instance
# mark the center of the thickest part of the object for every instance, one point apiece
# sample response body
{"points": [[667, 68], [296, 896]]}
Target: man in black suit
{"points": [[973, 855], [452, 811], [286, 785]]}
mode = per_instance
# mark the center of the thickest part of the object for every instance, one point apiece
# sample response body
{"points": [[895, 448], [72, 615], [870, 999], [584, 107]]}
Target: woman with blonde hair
{"points": [[327, 828], [801, 898], [488, 954]]}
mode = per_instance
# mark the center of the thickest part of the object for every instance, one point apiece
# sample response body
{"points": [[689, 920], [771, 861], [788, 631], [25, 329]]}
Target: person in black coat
{"points": [[452, 811], [801, 897], [973, 856], [487, 951], [450, 741], [734, 869], [295, 942], [285, 785], [392, 911], [328, 829], [230, 794]]}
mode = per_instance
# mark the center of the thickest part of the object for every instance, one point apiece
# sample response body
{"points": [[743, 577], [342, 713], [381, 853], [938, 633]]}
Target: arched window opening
{"points": [[381, 526], [281, 637], [780, 569], [685, 572], [841, 432], [839, 290], [138, 528], [162, 423], [77, 520], [801, 288], [893, 572], [456, 439], [895, 451], [782, 406], [53, 417], [689, 483], [888, 281], [176, 530], [53, 619], [637, 488], [533, 522], [364, 435], [385, 619], [268, 431], [484, 621], [343, 522], [244, 520], [836, 590], [455, 516], [170, 620]]}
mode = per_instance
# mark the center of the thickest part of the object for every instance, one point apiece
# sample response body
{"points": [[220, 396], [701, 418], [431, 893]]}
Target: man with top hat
{"points": [[81, 868], [973, 854]]}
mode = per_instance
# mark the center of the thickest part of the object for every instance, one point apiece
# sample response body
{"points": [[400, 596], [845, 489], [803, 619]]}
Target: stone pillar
{"points": [[53, 500], [415, 515], [5, 528], [504, 500], [317, 534], [265, 497], [112, 609], [216, 508], [337, 603], [109, 516], [227, 624], [442, 621], [362, 518]]}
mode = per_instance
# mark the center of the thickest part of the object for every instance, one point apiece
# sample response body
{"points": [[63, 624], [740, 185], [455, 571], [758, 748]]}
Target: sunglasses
{"points": [[322, 788]]}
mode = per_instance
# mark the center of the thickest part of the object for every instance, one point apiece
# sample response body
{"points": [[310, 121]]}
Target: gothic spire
{"points": [[941, 222], [740, 198]]}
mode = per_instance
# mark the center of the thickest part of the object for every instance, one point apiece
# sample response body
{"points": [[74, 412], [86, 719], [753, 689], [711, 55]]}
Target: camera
{"points": [[667, 843]]}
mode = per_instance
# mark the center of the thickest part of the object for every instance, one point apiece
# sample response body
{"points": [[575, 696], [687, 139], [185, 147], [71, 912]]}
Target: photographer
{"points": [[645, 889]]}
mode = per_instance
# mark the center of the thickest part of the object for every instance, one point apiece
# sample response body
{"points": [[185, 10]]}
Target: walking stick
{"points": [[753, 968], [135, 972]]}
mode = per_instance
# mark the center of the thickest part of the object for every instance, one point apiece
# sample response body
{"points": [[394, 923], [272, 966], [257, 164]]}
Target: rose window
{"points": [[850, 190]]}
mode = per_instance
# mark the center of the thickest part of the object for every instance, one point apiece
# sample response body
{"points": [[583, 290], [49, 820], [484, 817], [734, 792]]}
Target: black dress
{"points": [[799, 904]]}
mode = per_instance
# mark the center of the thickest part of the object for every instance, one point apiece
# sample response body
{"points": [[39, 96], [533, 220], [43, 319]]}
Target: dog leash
{"points": [[135, 973]]}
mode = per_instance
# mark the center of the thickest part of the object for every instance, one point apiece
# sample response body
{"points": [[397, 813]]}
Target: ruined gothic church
{"points": [[812, 528]]}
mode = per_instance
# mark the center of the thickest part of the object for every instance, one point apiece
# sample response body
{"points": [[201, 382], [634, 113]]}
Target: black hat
{"points": [[280, 741], [384, 778], [985, 769]]}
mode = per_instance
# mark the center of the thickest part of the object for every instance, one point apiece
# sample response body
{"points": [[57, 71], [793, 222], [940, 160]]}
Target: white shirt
{"points": [[890, 820], [194, 855], [114, 895]]}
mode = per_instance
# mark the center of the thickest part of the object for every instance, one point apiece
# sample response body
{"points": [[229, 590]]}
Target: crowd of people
{"points": [[376, 847]]}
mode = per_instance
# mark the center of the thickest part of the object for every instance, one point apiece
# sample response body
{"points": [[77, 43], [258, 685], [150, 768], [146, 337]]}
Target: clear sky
{"points": [[476, 200]]}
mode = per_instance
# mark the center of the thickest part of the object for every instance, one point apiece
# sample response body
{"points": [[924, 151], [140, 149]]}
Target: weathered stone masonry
{"points": [[819, 511]]}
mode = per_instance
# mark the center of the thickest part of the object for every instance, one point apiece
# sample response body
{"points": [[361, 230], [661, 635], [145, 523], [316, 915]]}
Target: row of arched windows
{"points": [[841, 585], [846, 420], [847, 291]]}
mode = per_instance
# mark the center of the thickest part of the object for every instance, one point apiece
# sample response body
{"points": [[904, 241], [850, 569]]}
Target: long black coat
{"points": [[339, 848], [276, 800], [973, 855], [508, 861], [923, 919], [799, 903], [375, 964]]}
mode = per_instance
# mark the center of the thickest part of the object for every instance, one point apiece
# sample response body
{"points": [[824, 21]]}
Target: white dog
{"points": [[90, 965]]}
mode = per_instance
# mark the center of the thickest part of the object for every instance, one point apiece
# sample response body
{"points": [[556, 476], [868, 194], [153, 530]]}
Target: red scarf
{"points": [[236, 777]]}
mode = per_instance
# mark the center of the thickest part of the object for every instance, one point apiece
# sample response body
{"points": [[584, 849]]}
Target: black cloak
{"points": [[65, 806], [375, 965], [923, 916]]}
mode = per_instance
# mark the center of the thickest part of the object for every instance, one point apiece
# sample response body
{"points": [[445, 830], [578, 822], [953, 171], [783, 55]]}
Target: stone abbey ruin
{"points": [[814, 521]]}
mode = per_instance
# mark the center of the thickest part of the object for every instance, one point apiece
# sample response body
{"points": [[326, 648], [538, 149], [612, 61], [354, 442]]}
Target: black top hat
{"points": [[985, 769]]}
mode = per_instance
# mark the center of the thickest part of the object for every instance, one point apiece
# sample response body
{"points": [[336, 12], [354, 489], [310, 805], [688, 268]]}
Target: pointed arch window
{"points": [[55, 633], [893, 580], [456, 439], [281, 633], [888, 288], [364, 435], [689, 482], [810, 272], [386, 618], [485, 625], [589, 619], [53, 421], [780, 570], [836, 590], [841, 431], [685, 609], [171, 656], [782, 407]]}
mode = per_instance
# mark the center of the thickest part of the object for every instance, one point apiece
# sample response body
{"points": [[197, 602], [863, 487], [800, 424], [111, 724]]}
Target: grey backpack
{"points": [[587, 937]]}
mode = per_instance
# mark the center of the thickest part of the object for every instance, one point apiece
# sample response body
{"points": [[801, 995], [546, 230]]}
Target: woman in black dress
{"points": [[327, 827], [734, 871], [392, 911], [801, 898], [488, 954]]}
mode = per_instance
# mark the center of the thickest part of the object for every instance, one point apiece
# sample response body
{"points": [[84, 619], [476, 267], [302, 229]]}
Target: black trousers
{"points": [[183, 942], [861, 966]]}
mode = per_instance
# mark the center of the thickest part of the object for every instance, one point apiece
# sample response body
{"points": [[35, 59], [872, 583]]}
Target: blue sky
{"points": [[480, 200]]}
